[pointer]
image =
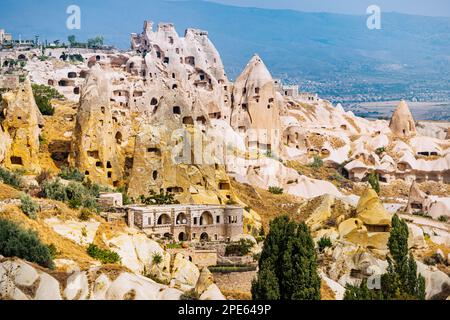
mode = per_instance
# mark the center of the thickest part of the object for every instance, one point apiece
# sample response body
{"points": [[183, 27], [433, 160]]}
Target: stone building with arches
{"points": [[188, 222]]}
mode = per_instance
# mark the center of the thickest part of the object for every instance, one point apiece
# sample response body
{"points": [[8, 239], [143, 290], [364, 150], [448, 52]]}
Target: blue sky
{"points": [[418, 7]]}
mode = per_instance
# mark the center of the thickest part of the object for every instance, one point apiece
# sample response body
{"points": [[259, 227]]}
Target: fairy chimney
{"points": [[416, 199], [402, 122]]}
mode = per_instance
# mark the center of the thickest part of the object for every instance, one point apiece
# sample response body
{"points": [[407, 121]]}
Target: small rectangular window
{"points": [[218, 219]]}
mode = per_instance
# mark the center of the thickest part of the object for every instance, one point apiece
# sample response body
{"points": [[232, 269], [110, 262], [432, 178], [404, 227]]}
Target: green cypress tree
{"points": [[361, 292], [288, 266], [374, 181], [266, 287], [401, 280]]}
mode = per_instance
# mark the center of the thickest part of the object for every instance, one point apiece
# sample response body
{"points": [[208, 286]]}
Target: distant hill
{"points": [[335, 50]]}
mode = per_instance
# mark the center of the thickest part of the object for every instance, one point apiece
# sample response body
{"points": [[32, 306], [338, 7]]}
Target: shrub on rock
{"points": [[25, 244], [28, 206], [276, 190], [103, 255], [13, 179]]}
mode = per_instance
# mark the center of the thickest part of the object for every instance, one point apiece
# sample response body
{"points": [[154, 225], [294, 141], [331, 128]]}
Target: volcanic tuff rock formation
{"points": [[256, 105], [20, 121], [416, 198], [165, 117], [402, 121], [95, 149], [371, 211], [22, 280]]}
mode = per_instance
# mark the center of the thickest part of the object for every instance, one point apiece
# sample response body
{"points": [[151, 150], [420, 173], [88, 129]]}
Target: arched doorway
{"points": [[119, 137], [163, 219], [181, 218], [168, 236], [204, 237], [206, 218], [188, 121], [182, 236]]}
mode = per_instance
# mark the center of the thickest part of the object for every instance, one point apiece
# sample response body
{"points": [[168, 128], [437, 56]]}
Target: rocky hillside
{"points": [[164, 120], [78, 276]]}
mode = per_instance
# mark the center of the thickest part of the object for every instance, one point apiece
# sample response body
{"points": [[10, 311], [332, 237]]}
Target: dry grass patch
{"points": [[268, 205], [236, 295], [66, 248], [322, 173], [353, 123], [430, 250], [316, 140], [326, 293], [8, 192], [337, 142], [435, 188], [108, 230]]}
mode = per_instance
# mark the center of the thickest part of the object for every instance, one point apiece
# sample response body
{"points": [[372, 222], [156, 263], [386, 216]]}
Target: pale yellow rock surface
{"points": [[20, 129], [96, 283], [354, 231], [212, 293], [402, 122], [184, 273], [370, 209], [82, 233], [136, 252], [204, 281]]}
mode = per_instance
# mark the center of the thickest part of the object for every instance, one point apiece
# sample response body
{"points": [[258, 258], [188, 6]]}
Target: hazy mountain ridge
{"points": [[297, 46]]}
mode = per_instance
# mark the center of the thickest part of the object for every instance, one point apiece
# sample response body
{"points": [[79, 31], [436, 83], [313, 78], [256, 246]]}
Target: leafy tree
{"points": [[158, 199], [361, 292], [76, 57], [25, 244], [267, 286], [125, 198], [374, 181], [240, 248], [288, 266], [71, 174], [75, 194], [401, 280], [43, 95], [54, 190], [95, 42], [72, 40]]}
